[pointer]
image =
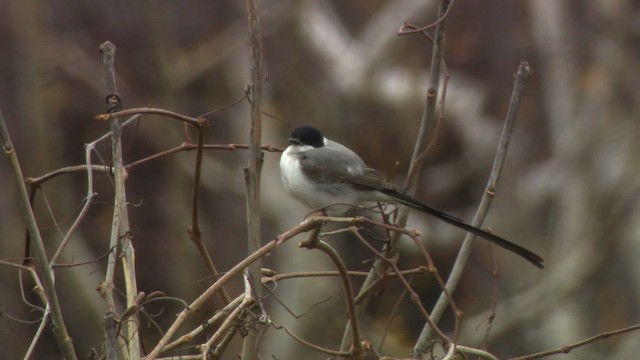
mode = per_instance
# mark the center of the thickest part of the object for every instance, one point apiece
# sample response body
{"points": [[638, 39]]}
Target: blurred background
{"points": [[569, 190]]}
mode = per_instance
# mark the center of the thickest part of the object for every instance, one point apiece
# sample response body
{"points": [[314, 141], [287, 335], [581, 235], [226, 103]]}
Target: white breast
{"points": [[311, 194]]}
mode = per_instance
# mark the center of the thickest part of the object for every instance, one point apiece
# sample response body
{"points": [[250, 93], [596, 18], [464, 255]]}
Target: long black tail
{"points": [[530, 256]]}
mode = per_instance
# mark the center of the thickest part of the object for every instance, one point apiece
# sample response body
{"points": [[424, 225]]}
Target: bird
{"points": [[320, 172]]}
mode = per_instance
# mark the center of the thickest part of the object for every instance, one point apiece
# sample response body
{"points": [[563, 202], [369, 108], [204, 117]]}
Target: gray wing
{"points": [[336, 163]]}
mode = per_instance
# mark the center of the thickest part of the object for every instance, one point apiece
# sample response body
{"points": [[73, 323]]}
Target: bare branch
{"points": [[254, 168], [522, 76], [120, 230], [152, 111], [306, 225], [189, 337], [194, 232], [60, 329], [567, 348], [357, 351], [425, 133]]}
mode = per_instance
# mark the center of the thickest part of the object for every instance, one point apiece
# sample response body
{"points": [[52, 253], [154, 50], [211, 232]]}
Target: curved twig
{"points": [[154, 111]]}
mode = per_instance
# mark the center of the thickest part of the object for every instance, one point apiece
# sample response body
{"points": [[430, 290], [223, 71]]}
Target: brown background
{"points": [[569, 189]]}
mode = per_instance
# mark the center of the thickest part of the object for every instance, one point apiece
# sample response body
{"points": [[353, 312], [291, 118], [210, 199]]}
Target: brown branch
{"points": [[495, 273], [522, 76], [307, 225], [412, 294], [357, 350], [237, 101], [277, 277], [254, 167], [314, 346], [120, 229], [189, 147], [429, 119], [567, 348], [440, 19], [198, 122], [74, 264], [218, 315], [427, 125], [39, 290], [14, 265], [392, 315], [434, 270], [60, 329], [195, 235], [402, 31], [220, 348], [247, 301], [37, 181]]}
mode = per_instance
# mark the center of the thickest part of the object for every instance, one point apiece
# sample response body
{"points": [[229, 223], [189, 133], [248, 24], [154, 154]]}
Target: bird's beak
{"points": [[294, 141]]}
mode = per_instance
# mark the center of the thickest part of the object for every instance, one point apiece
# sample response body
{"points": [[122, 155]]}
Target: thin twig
{"points": [[14, 265], [392, 315], [314, 346], [72, 229], [247, 301], [308, 224], [35, 182], [522, 76], [197, 331], [277, 277], [434, 270], [38, 289], [254, 168], [220, 348], [567, 348], [455, 349], [194, 232], [152, 111], [412, 294], [428, 27], [357, 351], [46, 274], [209, 113], [196, 305], [189, 147], [120, 230], [427, 125]]}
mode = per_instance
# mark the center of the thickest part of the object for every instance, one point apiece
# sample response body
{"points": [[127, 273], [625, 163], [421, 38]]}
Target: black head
{"points": [[306, 135]]}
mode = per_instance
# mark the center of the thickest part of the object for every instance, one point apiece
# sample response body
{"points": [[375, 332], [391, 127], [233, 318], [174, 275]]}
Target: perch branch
{"points": [[427, 125], [197, 304]]}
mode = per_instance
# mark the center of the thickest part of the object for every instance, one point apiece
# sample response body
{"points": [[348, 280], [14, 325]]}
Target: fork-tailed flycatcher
{"points": [[319, 172]]}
